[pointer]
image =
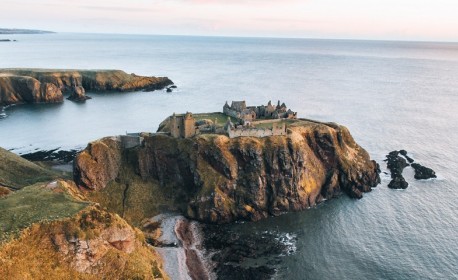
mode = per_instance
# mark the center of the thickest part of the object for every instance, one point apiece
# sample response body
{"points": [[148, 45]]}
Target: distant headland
{"points": [[48, 85], [23, 31]]}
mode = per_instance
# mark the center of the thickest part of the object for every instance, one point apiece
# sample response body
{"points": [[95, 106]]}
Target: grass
{"points": [[17, 172], [274, 122], [34, 204], [221, 118]]}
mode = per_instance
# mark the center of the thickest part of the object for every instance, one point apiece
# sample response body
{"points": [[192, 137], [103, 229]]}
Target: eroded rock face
{"points": [[22, 89], [221, 179], [93, 244], [86, 251], [98, 164]]}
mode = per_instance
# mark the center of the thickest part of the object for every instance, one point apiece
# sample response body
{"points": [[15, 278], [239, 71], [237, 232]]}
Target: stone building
{"points": [[183, 126], [240, 111]]}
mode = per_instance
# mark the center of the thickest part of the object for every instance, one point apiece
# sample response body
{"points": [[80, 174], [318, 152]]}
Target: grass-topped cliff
{"points": [[49, 229], [217, 179], [47, 85]]}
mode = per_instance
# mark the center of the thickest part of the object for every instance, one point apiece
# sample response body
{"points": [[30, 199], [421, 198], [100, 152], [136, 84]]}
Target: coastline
{"points": [[180, 244]]}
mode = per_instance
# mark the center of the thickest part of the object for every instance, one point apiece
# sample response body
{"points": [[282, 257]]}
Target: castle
{"points": [[270, 119], [239, 110]]}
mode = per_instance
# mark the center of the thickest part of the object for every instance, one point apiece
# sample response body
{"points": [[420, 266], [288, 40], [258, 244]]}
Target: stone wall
{"points": [[131, 141], [275, 130]]}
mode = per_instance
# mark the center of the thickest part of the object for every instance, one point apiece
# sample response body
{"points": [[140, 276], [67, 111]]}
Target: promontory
{"points": [[48, 85], [215, 169]]}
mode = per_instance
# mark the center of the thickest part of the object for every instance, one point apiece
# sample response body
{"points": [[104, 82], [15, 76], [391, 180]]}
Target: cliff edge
{"points": [[48, 85], [216, 179]]}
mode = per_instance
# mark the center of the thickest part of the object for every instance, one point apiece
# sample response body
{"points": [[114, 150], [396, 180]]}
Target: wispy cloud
{"points": [[118, 9]]}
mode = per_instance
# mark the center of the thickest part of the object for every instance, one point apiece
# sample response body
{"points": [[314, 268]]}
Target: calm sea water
{"points": [[391, 95]]}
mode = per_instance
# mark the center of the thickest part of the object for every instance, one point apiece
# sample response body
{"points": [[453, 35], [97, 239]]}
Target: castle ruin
{"points": [[183, 126], [239, 110], [255, 121]]}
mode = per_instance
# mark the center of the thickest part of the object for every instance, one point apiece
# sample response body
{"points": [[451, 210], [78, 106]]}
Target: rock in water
{"points": [[398, 183], [78, 94], [404, 153], [422, 172], [396, 165]]}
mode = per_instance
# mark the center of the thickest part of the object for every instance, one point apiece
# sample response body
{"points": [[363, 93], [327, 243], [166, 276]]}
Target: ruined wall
{"points": [[189, 126], [129, 141], [258, 132]]}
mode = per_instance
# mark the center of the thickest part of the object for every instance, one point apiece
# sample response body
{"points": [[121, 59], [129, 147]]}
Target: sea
{"points": [[390, 94]]}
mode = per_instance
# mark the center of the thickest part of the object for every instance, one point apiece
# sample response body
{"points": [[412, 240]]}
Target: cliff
{"points": [[47, 85], [213, 178], [49, 231], [22, 89]]}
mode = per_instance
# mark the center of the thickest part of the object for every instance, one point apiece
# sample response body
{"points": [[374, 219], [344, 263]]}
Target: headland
{"points": [[48, 85]]}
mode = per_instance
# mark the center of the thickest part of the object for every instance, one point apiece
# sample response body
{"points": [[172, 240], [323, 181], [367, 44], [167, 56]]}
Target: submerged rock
{"points": [[423, 172]]}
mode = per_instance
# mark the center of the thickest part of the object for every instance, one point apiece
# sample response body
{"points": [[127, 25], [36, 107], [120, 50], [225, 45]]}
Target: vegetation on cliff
{"points": [[52, 230], [16, 172]]}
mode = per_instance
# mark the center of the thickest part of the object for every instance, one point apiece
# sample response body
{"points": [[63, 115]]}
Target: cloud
{"points": [[117, 9]]}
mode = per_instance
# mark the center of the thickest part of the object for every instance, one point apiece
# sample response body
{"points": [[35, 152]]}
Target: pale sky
{"points": [[435, 20]]}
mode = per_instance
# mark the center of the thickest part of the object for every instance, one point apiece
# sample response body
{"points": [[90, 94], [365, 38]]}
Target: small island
{"points": [[48, 85]]}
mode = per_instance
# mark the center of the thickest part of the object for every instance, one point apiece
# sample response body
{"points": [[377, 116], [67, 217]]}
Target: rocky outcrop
{"points": [[22, 89], [74, 82], [396, 165], [217, 179], [98, 164], [423, 172]]}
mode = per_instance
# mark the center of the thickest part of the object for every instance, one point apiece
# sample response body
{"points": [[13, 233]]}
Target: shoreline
{"points": [[180, 244]]}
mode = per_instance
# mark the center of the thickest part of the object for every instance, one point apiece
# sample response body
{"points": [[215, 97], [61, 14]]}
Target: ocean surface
{"points": [[391, 95]]}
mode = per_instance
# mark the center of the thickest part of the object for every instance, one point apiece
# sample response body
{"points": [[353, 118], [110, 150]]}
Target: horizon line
{"points": [[234, 36]]}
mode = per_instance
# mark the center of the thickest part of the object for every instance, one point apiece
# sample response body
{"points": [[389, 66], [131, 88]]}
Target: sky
{"points": [[425, 20]]}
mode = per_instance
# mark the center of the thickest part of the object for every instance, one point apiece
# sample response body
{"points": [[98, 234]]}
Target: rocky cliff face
{"points": [[20, 89], [75, 82], [217, 179]]}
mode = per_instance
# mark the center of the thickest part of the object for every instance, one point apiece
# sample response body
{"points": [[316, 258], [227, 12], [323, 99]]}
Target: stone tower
{"points": [[182, 126], [189, 125]]}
